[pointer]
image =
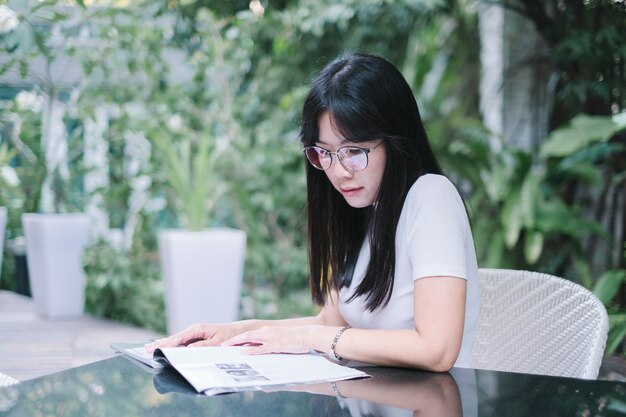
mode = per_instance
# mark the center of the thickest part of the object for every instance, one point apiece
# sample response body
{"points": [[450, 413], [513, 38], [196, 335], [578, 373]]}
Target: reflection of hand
{"points": [[425, 393], [197, 335], [274, 339]]}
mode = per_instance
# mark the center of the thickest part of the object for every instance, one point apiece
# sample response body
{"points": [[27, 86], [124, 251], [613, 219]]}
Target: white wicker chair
{"points": [[536, 323], [6, 380]]}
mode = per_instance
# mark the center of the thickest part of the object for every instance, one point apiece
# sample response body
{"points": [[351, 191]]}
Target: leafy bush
{"points": [[606, 289], [124, 287], [518, 202]]}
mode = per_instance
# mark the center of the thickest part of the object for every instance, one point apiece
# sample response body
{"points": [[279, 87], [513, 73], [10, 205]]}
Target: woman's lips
{"points": [[349, 192]]}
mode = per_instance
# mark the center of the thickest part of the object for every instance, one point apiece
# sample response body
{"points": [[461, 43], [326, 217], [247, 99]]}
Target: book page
{"points": [[137, 352], [216, 369]]}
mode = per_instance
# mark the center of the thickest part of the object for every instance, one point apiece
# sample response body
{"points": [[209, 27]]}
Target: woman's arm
{"points": [[428, 394], [205, 334], [434, 344]]}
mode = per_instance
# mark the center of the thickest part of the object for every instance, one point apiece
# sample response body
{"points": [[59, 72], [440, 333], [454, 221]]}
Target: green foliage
{"points": [[21, 135], [212, 93], [274, 221], [521, 216], [588, 57], [9, 181], [21, 173], [606, 289], [27, 39], [124, 287], [583, 131], [26, 43], [190, 174]]}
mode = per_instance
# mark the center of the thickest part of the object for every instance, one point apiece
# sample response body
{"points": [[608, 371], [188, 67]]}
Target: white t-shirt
{"points": [[433, 238]]}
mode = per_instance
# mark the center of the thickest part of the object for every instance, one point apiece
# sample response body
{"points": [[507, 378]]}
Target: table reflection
{"points": [[119, 387], [394, 393]]}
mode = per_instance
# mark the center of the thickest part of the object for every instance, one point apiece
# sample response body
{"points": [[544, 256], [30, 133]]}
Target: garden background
{"points": [[107, 108]]}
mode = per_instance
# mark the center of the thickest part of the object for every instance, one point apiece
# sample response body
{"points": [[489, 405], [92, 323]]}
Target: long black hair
{"points": [[367, 98]]}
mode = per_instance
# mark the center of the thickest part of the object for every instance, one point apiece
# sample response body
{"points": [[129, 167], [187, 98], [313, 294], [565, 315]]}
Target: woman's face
{"points": [[360, 189]]}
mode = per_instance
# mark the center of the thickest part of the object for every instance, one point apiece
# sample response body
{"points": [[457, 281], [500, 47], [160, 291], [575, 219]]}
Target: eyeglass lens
{"points": [[352, 158]]}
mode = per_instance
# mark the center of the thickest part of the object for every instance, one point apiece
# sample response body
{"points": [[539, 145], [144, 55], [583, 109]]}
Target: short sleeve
{"points": [[437, 229]]}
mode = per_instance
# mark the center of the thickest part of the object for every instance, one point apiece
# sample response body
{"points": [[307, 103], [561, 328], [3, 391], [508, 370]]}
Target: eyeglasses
{"points": [[353, 158]]}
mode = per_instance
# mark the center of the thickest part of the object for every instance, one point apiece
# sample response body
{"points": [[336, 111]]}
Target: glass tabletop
{"points": [[120, 387]]}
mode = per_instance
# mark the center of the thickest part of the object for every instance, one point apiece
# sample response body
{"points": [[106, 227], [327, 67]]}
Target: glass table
{"points": [[120, 387]]}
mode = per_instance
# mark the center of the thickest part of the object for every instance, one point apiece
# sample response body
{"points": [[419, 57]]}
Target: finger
{"points": [[229, 342], [240, 339], [205, 342], [150, 346], [156, 344], [265, 349], [189, 335], [174, 340], [257, 350]]}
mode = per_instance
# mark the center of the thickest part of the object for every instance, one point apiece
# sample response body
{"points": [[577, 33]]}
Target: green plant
{"points": [[587, 57], [21, 173], [28, 41], [581, 132], [519, 206], [9, 187], [20, 123], [607, 289], [124, 286], [9, 181], [583, 157], [188, 164]]}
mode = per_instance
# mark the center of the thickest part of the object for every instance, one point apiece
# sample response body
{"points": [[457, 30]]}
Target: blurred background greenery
{"points": [[165, 79]]}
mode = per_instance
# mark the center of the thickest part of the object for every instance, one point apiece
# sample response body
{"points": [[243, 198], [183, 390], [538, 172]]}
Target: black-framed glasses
{"points": [[353, 158]]}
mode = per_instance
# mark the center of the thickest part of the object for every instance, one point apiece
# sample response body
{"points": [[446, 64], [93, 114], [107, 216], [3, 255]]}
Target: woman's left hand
{"points": [[275, 339]]}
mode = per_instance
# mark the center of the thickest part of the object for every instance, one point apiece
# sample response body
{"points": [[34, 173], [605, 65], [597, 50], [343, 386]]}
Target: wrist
{"points": [[333, 345], [314, 336]]}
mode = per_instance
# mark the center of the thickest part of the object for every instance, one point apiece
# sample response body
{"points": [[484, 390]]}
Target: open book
{"points": [[215, 370], [138, 352]]}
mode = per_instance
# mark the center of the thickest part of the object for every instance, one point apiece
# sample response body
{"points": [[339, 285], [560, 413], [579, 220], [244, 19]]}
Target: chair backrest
{"points": [[536, 323]]}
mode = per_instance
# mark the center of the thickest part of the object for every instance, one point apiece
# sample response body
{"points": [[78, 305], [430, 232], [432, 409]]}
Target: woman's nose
{"points": [[339, 170]]}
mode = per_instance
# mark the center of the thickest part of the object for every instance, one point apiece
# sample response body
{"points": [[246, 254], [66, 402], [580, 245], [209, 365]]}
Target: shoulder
{"points": [[431, 186], [433, 180], [434, 196]]}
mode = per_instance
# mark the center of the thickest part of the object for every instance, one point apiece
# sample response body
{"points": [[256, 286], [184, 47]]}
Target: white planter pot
{"points": [[54, 248], [3, 223], [203, 273]]}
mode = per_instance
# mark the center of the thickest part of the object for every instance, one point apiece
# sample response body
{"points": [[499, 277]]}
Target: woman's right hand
{"points": [[199, 334]]}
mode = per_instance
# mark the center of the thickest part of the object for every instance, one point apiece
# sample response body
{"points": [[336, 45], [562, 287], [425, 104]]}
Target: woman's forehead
{"points": [[331, 129]]}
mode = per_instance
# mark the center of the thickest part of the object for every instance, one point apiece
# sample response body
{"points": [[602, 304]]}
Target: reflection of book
{"points": [[167, 380], [220, 369]]}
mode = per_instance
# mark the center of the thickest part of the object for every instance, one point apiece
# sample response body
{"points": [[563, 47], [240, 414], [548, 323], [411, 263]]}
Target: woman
{"points": [[391, 254]]}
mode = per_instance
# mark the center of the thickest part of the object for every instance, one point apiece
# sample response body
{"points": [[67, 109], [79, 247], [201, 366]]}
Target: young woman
{"points": [[391, 254]]}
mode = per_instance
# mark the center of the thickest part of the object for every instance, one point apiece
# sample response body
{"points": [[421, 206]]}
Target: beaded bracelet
{"points": [[331, 352], [333, 386]]}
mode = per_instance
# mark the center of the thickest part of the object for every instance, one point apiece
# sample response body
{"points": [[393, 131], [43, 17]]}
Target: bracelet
{"points": [[333, 385], [331, 352], [340, 398]]}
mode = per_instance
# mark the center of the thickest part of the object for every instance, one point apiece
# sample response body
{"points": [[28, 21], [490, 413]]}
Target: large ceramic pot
{"points": [[203, 273], [54, 248]]}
